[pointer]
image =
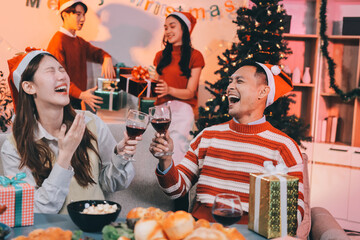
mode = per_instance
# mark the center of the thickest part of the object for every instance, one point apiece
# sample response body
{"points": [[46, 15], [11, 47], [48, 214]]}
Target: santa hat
{"points": [[188, 19], [278, 81], [17, 66], [64, 4]]}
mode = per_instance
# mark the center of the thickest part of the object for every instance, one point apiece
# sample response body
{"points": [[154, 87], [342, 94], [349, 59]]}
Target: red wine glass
{"points": [[136, 124], [227, 209], [160, 120]]}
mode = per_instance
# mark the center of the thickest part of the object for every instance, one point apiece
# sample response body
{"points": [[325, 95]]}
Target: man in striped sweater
{"points": [[221, 157]]}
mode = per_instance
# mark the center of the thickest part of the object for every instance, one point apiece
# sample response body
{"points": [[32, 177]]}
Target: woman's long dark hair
{"points": [[37, 155], [185, 51]]}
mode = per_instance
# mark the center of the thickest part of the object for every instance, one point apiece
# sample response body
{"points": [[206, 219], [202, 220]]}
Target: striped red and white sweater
{"points": [[220, 159]]}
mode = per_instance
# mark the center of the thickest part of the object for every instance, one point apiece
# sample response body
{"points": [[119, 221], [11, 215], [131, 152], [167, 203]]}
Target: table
{"points": [[45, 221]]}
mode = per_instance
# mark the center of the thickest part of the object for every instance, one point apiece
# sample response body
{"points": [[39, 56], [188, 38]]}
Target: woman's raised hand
{"points": [[68, 142], [127, 145]]}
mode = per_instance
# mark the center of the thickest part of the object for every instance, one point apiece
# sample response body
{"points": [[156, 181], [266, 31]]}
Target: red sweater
{"points": [[72, 53], [172, 74], [221, 158]]}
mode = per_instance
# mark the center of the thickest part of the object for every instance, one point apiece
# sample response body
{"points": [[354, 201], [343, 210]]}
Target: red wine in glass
{"points": [[134, 131], [227, 209], [160, 124], [136, 123], [226, 216]]}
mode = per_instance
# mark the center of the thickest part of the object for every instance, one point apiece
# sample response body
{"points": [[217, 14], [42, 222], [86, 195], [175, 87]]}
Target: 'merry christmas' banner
{"points": [[201, 13]]}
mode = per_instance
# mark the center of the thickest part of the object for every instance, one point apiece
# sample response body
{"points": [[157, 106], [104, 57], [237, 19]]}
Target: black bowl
{"points": [[91, 222], [6, 232]]}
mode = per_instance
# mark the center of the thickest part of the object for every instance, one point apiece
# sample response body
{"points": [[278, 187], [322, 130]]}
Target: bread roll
{"points": [[154, 213], [202, 223], [233, 234], [148, 229], [177, 225], [203, 233], [123, 238], [138, 212], [53, 233]]}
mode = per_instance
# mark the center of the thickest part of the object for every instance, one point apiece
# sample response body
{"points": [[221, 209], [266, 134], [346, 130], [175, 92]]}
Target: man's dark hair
{"points": [[260, 72], [71, 9]]}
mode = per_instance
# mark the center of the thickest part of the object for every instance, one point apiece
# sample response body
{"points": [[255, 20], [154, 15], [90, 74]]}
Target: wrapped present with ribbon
{"points": [[137, 87], [140, 73], [121, 68], [145, 103], [105, 84], [273, 202], [112, 100], [18, 197]]}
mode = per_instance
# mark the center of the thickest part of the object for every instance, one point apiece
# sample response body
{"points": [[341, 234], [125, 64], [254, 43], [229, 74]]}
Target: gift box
{"points": [[105, 84], [112, 100], [122, 70], [273, 202], [18, 197], [137, 87], [146, 103]]}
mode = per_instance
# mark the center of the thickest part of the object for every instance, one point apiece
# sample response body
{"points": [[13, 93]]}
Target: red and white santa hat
{"points": [[187, 17], [64, 4], [17, 66], [278, 81]]}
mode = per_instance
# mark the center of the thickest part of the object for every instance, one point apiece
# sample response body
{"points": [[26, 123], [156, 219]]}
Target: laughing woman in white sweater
{"points": [[66, 155]]}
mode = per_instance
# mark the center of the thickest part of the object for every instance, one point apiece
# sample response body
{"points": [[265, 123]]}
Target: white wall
{"points": [[125, 28]]}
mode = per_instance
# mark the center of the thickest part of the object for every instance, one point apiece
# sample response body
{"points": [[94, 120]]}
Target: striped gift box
{"points": [[18, 196]]}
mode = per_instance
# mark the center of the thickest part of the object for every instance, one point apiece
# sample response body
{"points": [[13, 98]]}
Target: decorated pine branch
{"points": [[6, 105], [345, 96]]}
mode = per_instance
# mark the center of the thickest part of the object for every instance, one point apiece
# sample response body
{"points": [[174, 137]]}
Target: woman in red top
{"points": [[178, 69]]}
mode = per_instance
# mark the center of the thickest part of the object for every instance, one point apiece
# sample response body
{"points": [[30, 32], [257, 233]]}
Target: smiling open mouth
{"points": [[61, 89], [233, 99]]}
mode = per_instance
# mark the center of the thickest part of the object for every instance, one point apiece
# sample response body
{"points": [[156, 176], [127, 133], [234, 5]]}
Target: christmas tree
{"points": [[260, 38]]}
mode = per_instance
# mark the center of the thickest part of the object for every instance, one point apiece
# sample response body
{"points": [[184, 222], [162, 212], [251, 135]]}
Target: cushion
{"points": [[305, 226], [325, 227]]}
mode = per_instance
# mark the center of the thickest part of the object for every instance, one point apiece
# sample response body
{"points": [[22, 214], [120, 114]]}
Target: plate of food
{"points": [[146, 223]]}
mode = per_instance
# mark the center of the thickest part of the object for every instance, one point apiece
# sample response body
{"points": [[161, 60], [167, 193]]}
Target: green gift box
{"points": [[146, 103], [273, 204], [112, 100]]}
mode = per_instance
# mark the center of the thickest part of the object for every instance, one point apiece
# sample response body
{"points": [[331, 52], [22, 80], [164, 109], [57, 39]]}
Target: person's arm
{"points": [[50, 197], [162, 89], [292, 158], [90, 99], [107, 70], [177, 180], [97, 55], [116, 172]]}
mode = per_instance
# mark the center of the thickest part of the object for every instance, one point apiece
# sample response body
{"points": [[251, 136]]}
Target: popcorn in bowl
{"points": [[99, 209]]}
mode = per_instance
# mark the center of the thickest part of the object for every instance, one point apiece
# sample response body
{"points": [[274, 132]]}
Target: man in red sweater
{"points": [[73, 51], [221, 157]]}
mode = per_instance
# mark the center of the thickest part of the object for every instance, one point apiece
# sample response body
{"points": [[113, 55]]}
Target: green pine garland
{"points": [[331, 64]]}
